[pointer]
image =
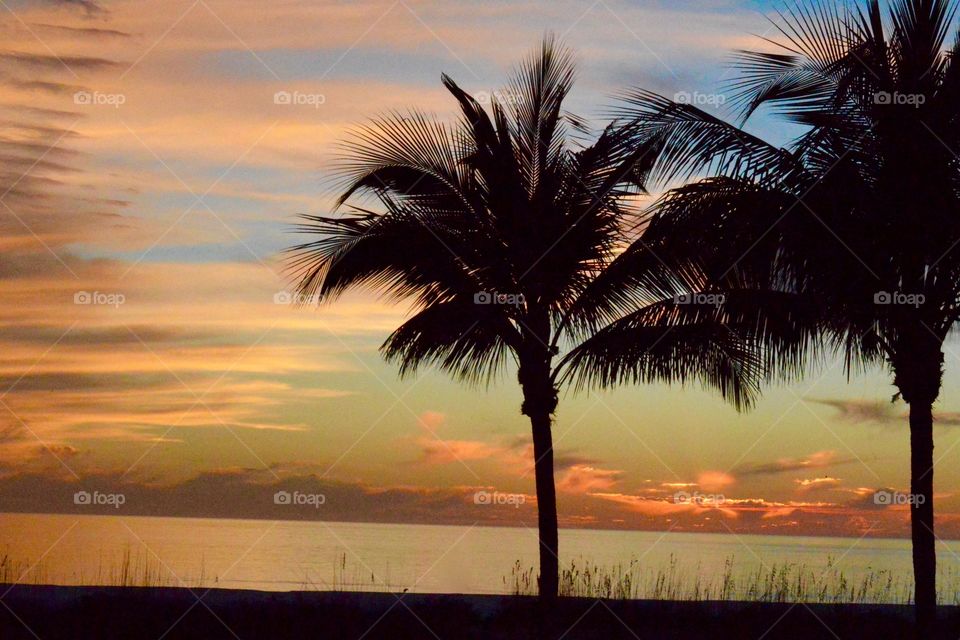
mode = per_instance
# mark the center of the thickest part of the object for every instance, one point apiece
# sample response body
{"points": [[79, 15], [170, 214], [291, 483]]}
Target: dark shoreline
{"points": [[130, 613]]}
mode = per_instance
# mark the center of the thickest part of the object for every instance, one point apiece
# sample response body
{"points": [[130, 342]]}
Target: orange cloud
{"points": [[805, 485], [657, 508], [431, 421], [437, 452], [587, 479], [715, 480]]}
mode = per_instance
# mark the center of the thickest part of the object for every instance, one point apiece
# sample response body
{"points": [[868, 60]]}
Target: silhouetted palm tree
{"points": [[853, 230], [494, 228]]}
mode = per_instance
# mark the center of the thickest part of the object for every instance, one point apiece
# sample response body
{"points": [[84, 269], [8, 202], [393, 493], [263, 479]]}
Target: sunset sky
{"points": [[148, 170]]}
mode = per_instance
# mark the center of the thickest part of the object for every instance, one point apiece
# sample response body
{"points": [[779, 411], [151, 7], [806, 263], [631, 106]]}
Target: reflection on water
{"points": [[257, 554]]}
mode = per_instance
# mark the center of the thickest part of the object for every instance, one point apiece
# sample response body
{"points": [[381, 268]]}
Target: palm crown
{"points": [[497, 228], [852, 231]]}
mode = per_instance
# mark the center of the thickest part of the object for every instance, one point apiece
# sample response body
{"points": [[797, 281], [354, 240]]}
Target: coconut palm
{"points": [[493, 228], [852, 231]]}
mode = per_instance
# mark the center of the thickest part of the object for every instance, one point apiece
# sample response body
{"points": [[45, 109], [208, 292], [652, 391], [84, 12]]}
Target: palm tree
{"points": [[494, 229], [851, 232]]}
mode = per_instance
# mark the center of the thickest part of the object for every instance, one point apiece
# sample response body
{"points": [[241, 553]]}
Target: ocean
{"points": [[287, 555]]}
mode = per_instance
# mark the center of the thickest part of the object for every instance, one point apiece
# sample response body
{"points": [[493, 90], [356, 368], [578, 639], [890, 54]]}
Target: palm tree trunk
{"points": [[539, 403], [546, 505], [921, 514], [918, 373]]}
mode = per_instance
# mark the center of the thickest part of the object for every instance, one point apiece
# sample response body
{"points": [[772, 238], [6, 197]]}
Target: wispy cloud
{"points": [[880, 413], [817, 460], [90, 7]]}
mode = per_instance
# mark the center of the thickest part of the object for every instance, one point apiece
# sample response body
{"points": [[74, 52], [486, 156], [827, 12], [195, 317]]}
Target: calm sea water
{"points": [[254, 554]]}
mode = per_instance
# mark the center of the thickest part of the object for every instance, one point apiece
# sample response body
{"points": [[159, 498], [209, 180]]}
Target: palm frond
{"points": [[398, 254], [647, 347], [408, 155], [469, 341], [690, 141]]}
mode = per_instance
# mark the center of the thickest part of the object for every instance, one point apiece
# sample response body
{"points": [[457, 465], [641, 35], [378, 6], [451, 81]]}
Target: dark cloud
{"points": [[12, 433], [818, 460], [35, 147], [49, 204], [861, 411], [249, 493], [565, 461], [100, 336], [21, 164], [40, 112], [44, 85], [52, 63], [90, 7], [881, 413], [49, 132], [89, 32], [84, 382]]}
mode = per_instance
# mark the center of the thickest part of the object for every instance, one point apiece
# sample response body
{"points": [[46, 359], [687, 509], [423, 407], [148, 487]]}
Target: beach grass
{"points": [[142, 569], [131, 570], [582, 578], [777, 582]]}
